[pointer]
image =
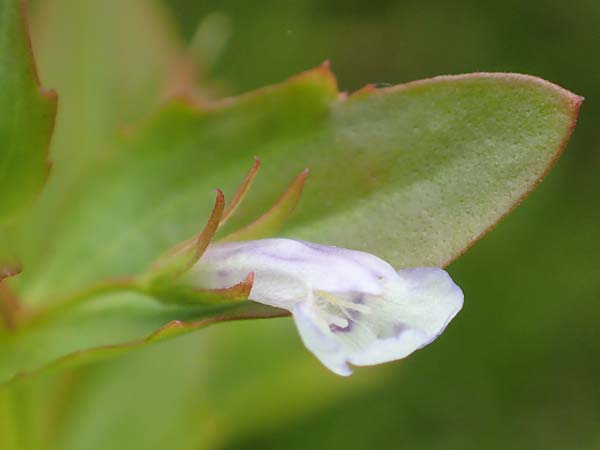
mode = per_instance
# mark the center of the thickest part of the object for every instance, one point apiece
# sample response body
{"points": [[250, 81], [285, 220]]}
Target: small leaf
{"points": [[27, 117]]}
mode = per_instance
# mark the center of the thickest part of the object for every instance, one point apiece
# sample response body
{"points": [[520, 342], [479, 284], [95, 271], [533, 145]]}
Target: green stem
{"points": [[77, 298]]}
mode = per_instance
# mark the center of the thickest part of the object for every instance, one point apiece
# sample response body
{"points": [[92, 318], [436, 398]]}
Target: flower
{"points": [[349, 306]]}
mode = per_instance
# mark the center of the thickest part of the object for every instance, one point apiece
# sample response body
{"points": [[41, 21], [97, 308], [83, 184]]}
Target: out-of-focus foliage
{"points": [[27, 118], [105, 80], [517, 369]]}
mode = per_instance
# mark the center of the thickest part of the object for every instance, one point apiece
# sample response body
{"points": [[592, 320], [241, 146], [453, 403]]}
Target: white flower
{"points": [[349, 306]]}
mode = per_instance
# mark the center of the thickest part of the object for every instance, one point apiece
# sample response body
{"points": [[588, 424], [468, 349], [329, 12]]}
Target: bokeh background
{"points": [[519, 368]]}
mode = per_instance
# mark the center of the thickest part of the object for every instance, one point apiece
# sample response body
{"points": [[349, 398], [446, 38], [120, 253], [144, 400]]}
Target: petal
{"points": [[319, 341], [224, 265], [287, 271], [414, 309]]}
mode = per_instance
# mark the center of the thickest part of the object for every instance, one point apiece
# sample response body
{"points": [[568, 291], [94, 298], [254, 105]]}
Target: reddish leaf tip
{"points": [[215, 215], [241, 192], [275, 217], [219, 204], [576, 101], [301, 178], [49, 94], [572, 101], [322, 73], [364, 90]]}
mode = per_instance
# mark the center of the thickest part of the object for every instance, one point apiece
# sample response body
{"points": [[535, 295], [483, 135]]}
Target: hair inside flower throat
{"points": [[340, 312]]}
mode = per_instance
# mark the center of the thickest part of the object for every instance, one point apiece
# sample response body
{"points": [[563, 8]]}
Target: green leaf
{"points": [[107, 328], [414, 173], [27, 117]]}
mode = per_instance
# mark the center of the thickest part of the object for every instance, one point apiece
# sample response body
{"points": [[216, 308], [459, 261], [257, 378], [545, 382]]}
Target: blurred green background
{"points": [[519, 367]]}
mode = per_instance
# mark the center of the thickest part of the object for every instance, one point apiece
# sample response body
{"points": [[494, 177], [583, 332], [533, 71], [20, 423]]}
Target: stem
{"points": [[82, 296]]}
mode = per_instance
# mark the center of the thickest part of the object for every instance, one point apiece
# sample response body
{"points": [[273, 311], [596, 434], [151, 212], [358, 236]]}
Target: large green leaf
{"points": [[413, 173], [27, 115]]}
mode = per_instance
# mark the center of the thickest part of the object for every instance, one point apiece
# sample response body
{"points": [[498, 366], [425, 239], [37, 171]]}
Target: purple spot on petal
{"points": [[337, 329], [358, 299], [399, 328], [222, 273]]}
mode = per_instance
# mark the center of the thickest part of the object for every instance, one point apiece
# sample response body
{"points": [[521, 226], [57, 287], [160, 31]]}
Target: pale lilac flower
{"points": [[349, 306]]}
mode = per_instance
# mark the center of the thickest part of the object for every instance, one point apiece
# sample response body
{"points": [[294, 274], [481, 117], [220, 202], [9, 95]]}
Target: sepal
{"points": [[166, 278], [179, 259], [181, 292]]}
